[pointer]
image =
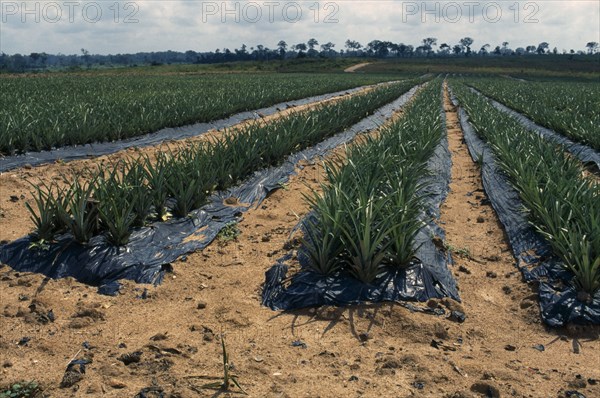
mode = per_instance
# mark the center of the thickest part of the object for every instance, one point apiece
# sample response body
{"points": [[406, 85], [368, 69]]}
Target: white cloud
{"points": [[205, 25]]}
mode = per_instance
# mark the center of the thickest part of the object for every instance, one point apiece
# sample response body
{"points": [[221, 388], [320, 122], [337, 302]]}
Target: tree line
{"points": [[428, 47]]}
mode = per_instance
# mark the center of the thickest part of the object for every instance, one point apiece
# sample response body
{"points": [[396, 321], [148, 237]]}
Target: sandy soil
{"points": [[368, 350]]}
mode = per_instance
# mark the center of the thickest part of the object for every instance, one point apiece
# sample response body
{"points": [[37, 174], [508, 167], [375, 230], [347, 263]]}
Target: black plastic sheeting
{"points": [[558, 298], [151, 249], [426, 278], [585, 154], [69, 153]]}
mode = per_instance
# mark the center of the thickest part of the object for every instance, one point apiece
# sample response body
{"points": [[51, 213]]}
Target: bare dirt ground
{"points": [[368, 350], [356, 67]]}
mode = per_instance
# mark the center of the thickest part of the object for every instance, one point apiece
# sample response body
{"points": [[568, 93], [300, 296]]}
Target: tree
{"points": [[466, 42], [402, 49], [422, 50], [592, 47], [352, 46], [190, 57], [505, 50], [327, 48], [530, 49], [242, 53], [457, 49], [86, 57], [301, 47], [542, 47], [484, 49], [261, 52], [444, 49], [428, 42], [378, 47], [311, 47], [18, 63], [282, 45]]}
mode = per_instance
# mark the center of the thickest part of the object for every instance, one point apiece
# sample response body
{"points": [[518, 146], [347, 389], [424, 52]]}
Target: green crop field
{"points": [[355, 223], [369, 211], [40, 113], [571, 108]]}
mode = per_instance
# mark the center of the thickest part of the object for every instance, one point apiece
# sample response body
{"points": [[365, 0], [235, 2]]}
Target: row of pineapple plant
{"points": [[562, 201], [47, 112], [367, 212], [570, 108], [113, 200]]}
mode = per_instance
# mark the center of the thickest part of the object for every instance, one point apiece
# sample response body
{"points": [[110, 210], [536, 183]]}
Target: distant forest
{"points": [[375, 49]]}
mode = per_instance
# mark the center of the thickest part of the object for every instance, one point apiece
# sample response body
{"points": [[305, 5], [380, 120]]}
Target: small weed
{"points": [[29, 389], [229, 232], [41, 244], [479, 160], [228, 377], [461, 251]]}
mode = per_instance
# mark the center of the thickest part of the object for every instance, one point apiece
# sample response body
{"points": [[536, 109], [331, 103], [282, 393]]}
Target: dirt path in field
{"points": [[356, 67], [379, 350], [16, 188], [503, 322]]}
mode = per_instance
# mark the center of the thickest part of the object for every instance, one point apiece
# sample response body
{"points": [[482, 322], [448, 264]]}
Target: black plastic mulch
{"points": [[151, 249]]}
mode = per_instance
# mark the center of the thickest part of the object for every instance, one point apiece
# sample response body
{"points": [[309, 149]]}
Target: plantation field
{"points": [[570, 108], [136, 189], [398, 204], [563, 204], [45, 112], [550, 67]]}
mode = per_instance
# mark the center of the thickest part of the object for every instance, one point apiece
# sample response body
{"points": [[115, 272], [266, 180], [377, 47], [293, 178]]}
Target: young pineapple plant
{"points": [[45, 217], [78, 210], [157, 179], [116, 204]]}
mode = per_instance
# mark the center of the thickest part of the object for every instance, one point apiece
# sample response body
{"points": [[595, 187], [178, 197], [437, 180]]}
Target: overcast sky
{"points": [[110, 27]]}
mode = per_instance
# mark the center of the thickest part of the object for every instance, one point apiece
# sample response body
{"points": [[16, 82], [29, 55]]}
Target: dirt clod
{"points": [[70, 378], [116, 384], [130, 357], [464, 269], [487, 389], [159, 337]]}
